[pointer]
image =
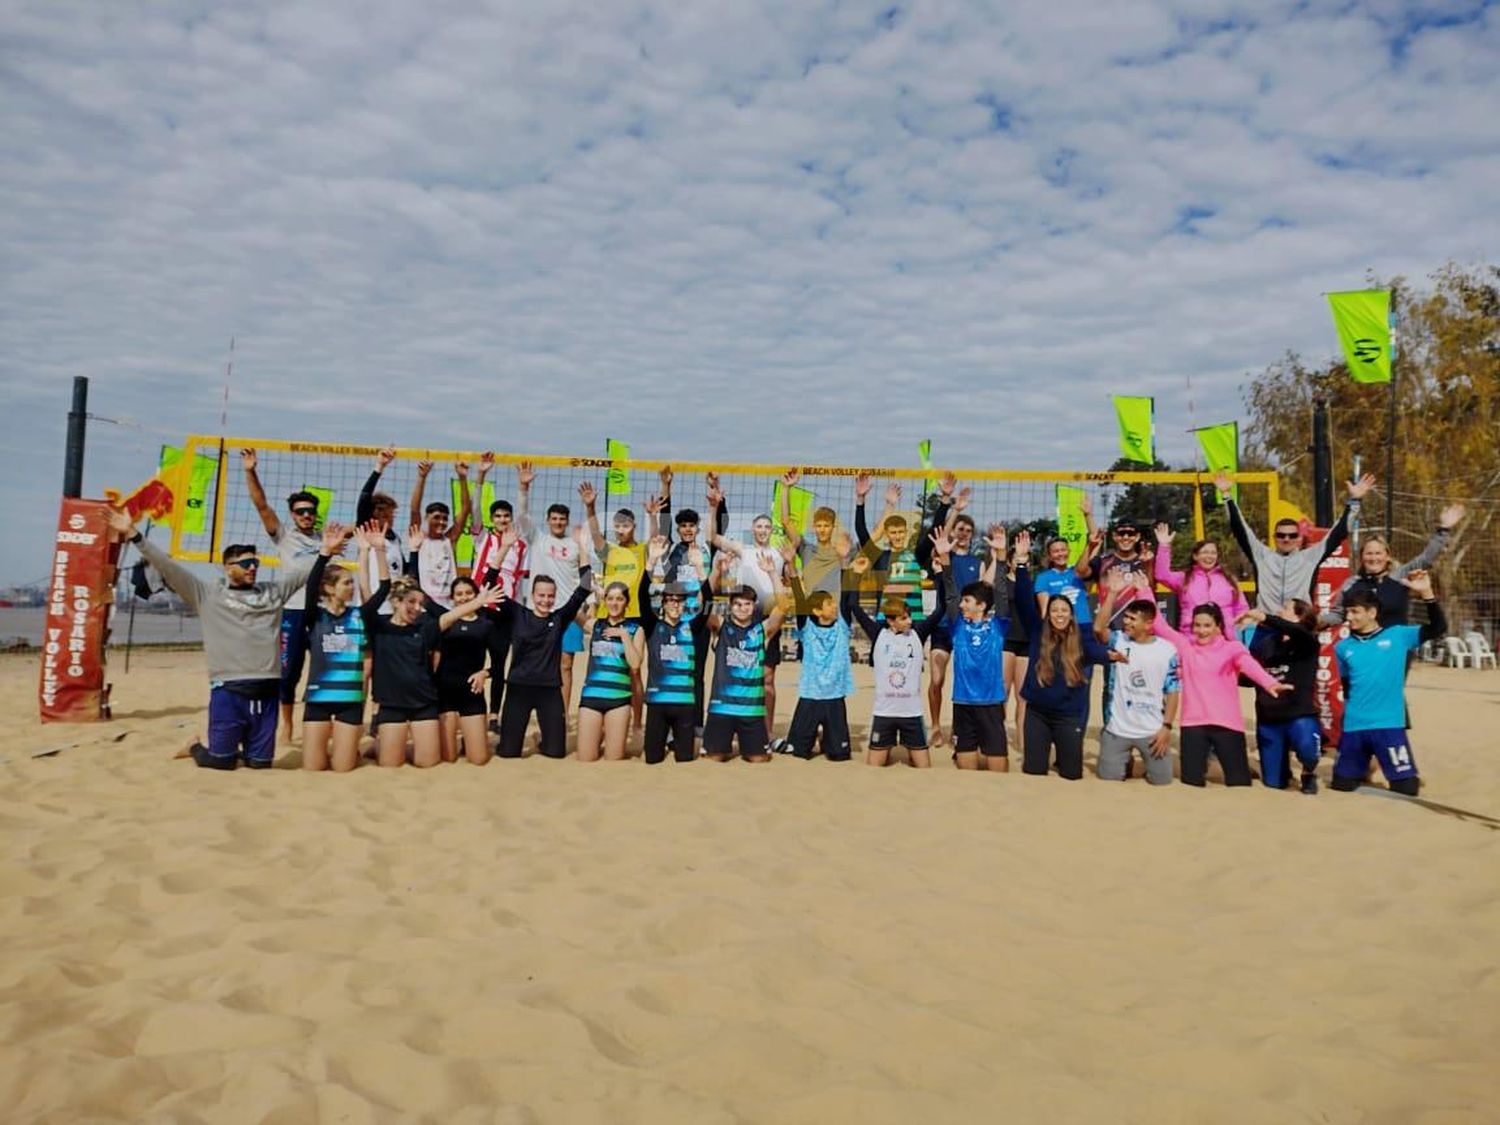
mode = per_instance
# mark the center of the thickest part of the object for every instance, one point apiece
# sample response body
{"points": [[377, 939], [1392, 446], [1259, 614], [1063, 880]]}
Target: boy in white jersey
{"points": [[761, 568], [1147, 687], [437, 566], [896, 653]]}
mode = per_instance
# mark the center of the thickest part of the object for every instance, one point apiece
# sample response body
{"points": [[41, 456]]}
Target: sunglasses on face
{"points": [[1127, 534], [250, 563], [1288, 534], [304, 511]]}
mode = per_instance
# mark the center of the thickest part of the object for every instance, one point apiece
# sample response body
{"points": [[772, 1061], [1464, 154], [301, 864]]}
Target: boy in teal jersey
{"points": [[737, 700], [673, 640], [826, 678]]}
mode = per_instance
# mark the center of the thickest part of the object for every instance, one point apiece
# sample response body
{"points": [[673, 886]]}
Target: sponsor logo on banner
{"points": [[79, 598]]}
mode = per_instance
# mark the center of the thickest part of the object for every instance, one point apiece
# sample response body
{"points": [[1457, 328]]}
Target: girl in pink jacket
{"points": [[1211, 718], [1204, 582]]}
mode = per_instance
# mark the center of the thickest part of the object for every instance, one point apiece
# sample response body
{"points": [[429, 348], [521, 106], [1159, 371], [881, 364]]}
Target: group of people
{"points": [[450, 660]]}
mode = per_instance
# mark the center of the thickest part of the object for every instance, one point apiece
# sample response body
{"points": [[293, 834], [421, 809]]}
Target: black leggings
{"points": [[674, 717], [499, 651], [520, 701], [1045, 729], [1228, 745]]}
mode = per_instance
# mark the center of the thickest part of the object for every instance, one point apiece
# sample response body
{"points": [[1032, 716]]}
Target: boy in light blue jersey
{"points": [[825, 680], [1372, 668], [978, 665]]}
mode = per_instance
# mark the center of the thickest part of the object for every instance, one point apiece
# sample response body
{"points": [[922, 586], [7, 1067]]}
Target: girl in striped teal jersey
{"points": [[333, 707], [616, 647]]}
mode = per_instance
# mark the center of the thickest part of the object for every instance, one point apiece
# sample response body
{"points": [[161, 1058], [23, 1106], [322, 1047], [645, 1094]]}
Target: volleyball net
{"points": [[218, 509]]}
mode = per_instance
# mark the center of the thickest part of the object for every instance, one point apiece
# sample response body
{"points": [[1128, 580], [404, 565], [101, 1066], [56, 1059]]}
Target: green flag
{"points": [[1071, 523], [325, 503], [192, 508], [1363, 319], [1137, 429], [924, 454], [799, 502], [1221, 449], [463, 550], [617, 481]]}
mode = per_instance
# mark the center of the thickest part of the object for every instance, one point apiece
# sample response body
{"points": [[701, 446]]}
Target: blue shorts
{"points": [[1303, 736], [1392, 749], [239, 719], [573, 638]]}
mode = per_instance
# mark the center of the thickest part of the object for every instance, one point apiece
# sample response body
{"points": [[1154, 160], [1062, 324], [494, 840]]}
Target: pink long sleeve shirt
{"points": [[1210, 678], [1199, 587]]}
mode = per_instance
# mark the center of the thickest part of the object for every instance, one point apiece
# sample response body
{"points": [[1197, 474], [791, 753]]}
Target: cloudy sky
{"points": [[746, 230]]}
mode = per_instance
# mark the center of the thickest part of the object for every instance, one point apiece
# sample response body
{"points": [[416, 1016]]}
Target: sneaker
{"points": [[780, 746], [1310, 783]]}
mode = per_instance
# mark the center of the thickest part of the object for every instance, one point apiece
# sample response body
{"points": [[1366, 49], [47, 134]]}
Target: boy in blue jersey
{"points": [[824, 681], [978, 665], [737, 698], [1372, 667]]}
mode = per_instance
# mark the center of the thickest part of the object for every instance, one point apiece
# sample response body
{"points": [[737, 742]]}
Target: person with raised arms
{"points": [[500, 559], [1059, 579], [436, 565], [617, 647], [899, 566], [966, 565], [737, 701], [1148, 686], [752, 570], [1212, 722], [825, 679], [296, 541], [380, 508], [534, 682], [1057, 681], [1386, 581], [823, 557], [333, 710], [978, 664], [1287, 570], [1017, 639], [1372, 667], [404, 656], [672, 641], [1202, 583], [240, 617], [1288, 648]]}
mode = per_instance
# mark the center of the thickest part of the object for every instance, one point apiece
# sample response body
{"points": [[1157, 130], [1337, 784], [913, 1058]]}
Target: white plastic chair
{"points": [[1457, 655], [1479, 650]]}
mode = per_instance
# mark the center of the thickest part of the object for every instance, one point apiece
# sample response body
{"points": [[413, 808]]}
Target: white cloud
{"points": [[748, 231]]}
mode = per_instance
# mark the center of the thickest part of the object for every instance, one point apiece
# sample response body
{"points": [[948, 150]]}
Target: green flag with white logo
{"points": [[1363, 320], [1137, 430]]}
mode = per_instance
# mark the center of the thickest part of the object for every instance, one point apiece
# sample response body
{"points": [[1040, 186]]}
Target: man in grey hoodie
{"points": [[241, 621], [1287, 569]]}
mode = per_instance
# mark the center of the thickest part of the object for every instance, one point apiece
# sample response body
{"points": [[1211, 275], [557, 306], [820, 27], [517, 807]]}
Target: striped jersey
{"points": [[608, 676], [336, 657], [739, 689], [669, 663]]}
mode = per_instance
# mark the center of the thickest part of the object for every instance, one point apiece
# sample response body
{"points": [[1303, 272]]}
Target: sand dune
{"points": [[802, 942]]}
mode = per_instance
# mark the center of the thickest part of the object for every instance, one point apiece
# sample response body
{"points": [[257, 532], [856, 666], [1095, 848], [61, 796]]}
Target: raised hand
{"points": [[486, 463], [1359, 488], [656, 550], [947, 485], [790, 478], [491, 596], [1086, 504], [587, 495], [372, 536], [461, 469], [654, 505], [511, 537], [384, 458], [1117, 580], [892, 494], [1164, 533], [712, 479], [1023, 545], [961, 499], [414, 537], [1419, 582], [120, 522], [842, 543], [525, 474], [1223, 483], [334, 535], [941, 544], [786, 552], [767, 564], [423, 468], [1450, 516], [860, 565], [862, 485], [249, 459], [714, 497], [996, 537], [665, 476]]}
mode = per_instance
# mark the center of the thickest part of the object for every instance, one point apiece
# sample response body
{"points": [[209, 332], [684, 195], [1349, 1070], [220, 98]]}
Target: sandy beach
{"points": [[538, 941]]}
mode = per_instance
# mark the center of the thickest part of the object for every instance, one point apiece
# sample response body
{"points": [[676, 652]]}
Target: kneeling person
{"points": [[1147, 689], [737, 700], [825, 680], [896, 653]]}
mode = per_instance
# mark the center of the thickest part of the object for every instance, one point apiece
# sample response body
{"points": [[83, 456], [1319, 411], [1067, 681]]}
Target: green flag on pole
{"points": [[1363, 320], [192, 508], [463, 550], [924, 454], [1071, 524], [1221, 448], [1137, 429], [325, 503], [799, 502], [617, 482]]}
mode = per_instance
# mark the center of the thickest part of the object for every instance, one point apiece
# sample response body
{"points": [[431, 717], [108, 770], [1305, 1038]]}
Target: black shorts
{"points": [[350, 714], [773, 652], [887, 730], [1017, 646], [721, 731], [812, 715], [389, 713], [603, 706], [455, 696], [942, 640], [979, 726]]}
